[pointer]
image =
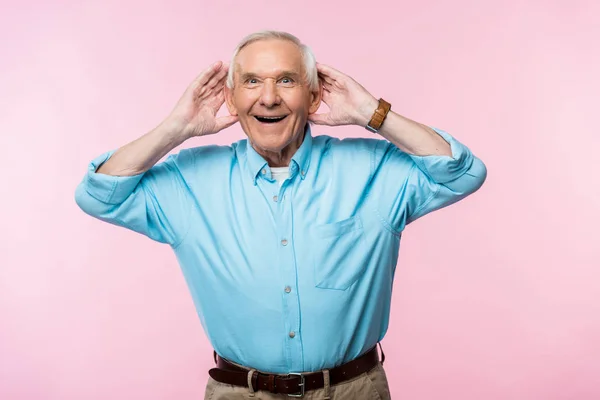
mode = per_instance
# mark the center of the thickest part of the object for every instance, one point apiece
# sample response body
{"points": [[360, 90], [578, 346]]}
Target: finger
{"points": [[326, 79], [218, 77], [219, 97], [206, 91], [225, 122], [218, 89], [327, 86], [329, 71], [208, 73], [320, 119]]}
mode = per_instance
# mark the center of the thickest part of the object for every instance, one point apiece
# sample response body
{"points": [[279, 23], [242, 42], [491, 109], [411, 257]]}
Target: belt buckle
{"points": [[301, 384]]}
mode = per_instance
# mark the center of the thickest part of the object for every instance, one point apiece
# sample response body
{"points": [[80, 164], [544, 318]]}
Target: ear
{"points": [[229, 101], [315, 99]]}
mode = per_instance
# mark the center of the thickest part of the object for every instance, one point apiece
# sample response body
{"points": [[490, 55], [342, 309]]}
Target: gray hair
{"points": [[310, 62]]}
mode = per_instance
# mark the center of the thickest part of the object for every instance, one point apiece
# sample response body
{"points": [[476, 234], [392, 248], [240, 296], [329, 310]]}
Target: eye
{"points": [[287, 81], [252, 83]]}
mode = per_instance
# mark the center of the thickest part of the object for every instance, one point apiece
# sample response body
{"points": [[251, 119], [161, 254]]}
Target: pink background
{"points": [[497, 297]]}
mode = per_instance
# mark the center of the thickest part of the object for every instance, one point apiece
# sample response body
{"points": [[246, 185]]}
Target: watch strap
{"points": [[379, 116]]}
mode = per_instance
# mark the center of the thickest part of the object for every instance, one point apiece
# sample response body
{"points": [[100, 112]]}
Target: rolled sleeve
{"points": [[108, 189], [156, 203], [408, 186], [443, 169]]}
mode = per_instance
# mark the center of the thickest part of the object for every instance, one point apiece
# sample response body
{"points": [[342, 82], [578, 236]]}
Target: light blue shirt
{"points": [[290, 278]]}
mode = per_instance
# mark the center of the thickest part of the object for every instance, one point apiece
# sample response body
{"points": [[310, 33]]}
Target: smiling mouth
{"points": [[270, 120]]}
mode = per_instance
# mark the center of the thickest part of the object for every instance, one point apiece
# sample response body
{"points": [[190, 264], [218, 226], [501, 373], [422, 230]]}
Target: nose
{"points": [[269, 95]]}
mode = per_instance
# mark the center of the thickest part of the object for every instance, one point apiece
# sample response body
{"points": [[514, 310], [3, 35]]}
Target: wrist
{"points": [[365, 112], [379, 116], [173, 131]]}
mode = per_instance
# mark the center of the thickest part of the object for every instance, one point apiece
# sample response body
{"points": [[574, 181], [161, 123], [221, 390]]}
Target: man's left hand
{"points": [[349, 103]]}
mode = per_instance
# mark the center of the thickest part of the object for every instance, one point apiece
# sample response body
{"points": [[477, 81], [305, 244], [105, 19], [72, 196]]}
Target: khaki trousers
{"points": [[371, 385]]}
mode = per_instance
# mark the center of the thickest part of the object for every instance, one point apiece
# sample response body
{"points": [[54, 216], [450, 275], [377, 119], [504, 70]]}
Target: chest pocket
{"points": [[339, 252]]}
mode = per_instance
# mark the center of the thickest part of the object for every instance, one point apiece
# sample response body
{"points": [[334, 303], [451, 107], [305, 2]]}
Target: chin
{"points": [[273, 139], [269, 142]]}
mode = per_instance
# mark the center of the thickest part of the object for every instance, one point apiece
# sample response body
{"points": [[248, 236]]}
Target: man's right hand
{"points": [[196, 111], [194, 115]]}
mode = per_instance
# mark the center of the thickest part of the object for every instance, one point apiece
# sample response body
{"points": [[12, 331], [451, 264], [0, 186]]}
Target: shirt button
{"points": [[288, 289], [284, 242], [292, 334], [264, 171], [275, 199], [303, 172]]}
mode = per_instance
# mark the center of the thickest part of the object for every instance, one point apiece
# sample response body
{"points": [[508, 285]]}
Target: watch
{"points": [[379, 116]]}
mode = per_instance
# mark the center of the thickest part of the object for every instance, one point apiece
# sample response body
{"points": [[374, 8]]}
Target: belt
{"points": [[293, 384]]}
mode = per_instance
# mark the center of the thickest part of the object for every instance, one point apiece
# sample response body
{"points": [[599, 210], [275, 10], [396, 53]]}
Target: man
{"points": [[288, 242]]}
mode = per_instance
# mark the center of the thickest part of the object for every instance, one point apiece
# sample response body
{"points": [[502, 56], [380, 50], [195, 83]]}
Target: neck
{"points": [[283, 157]]}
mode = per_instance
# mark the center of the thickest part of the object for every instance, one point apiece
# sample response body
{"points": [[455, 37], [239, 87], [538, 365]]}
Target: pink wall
{"points": [[497, 297]]}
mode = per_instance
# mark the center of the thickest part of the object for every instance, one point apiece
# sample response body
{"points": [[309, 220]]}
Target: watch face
{"points": [[370, 128]]}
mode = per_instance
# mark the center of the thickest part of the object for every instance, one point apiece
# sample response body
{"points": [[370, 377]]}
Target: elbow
{"points": [[86, 202], [478, 173], [470, 181], [82, 198]]}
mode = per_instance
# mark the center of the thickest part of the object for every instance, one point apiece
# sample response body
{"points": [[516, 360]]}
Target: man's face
{"points": [[270, 95]]}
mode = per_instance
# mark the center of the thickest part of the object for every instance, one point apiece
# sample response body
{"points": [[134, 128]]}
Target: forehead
{"points": [[266, 57]]}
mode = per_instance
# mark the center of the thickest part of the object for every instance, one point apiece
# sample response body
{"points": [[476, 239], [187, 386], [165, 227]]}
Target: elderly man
{"points": [[288, 241]]}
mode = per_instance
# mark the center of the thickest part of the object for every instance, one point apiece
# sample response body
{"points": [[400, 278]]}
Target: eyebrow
{"points": [[249, 75]]}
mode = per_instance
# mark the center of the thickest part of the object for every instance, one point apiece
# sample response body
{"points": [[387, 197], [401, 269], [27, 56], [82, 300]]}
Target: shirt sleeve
{"points": [[408, 186], [156, 203]]}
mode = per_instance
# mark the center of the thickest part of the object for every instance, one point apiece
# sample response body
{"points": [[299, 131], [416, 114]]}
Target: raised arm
{"points": [[418, 169], [128, 188], [194, 115]]}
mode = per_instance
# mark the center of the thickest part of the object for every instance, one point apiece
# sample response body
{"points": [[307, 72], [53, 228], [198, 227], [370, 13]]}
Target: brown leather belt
{"points": [[293, 384]]}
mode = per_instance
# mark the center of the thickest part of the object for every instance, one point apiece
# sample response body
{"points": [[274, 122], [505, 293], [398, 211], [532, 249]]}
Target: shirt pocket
{"points": [[339, 253]]}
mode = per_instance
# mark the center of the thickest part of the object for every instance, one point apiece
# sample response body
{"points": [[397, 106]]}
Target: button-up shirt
{"points": [[294, 277]]}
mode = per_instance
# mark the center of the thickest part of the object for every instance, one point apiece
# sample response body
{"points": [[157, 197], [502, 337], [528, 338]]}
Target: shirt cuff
{"points": [[109, 189], [443, 169]]}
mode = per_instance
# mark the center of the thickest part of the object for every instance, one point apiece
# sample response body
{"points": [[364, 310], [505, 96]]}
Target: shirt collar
{"points": [[300, 162]]}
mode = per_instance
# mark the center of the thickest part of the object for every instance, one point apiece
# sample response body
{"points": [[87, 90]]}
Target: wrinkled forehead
{"points": [[267, 58]]}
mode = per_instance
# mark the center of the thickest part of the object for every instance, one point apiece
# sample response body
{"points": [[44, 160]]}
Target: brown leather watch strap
{"points": [[379, 116]]}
